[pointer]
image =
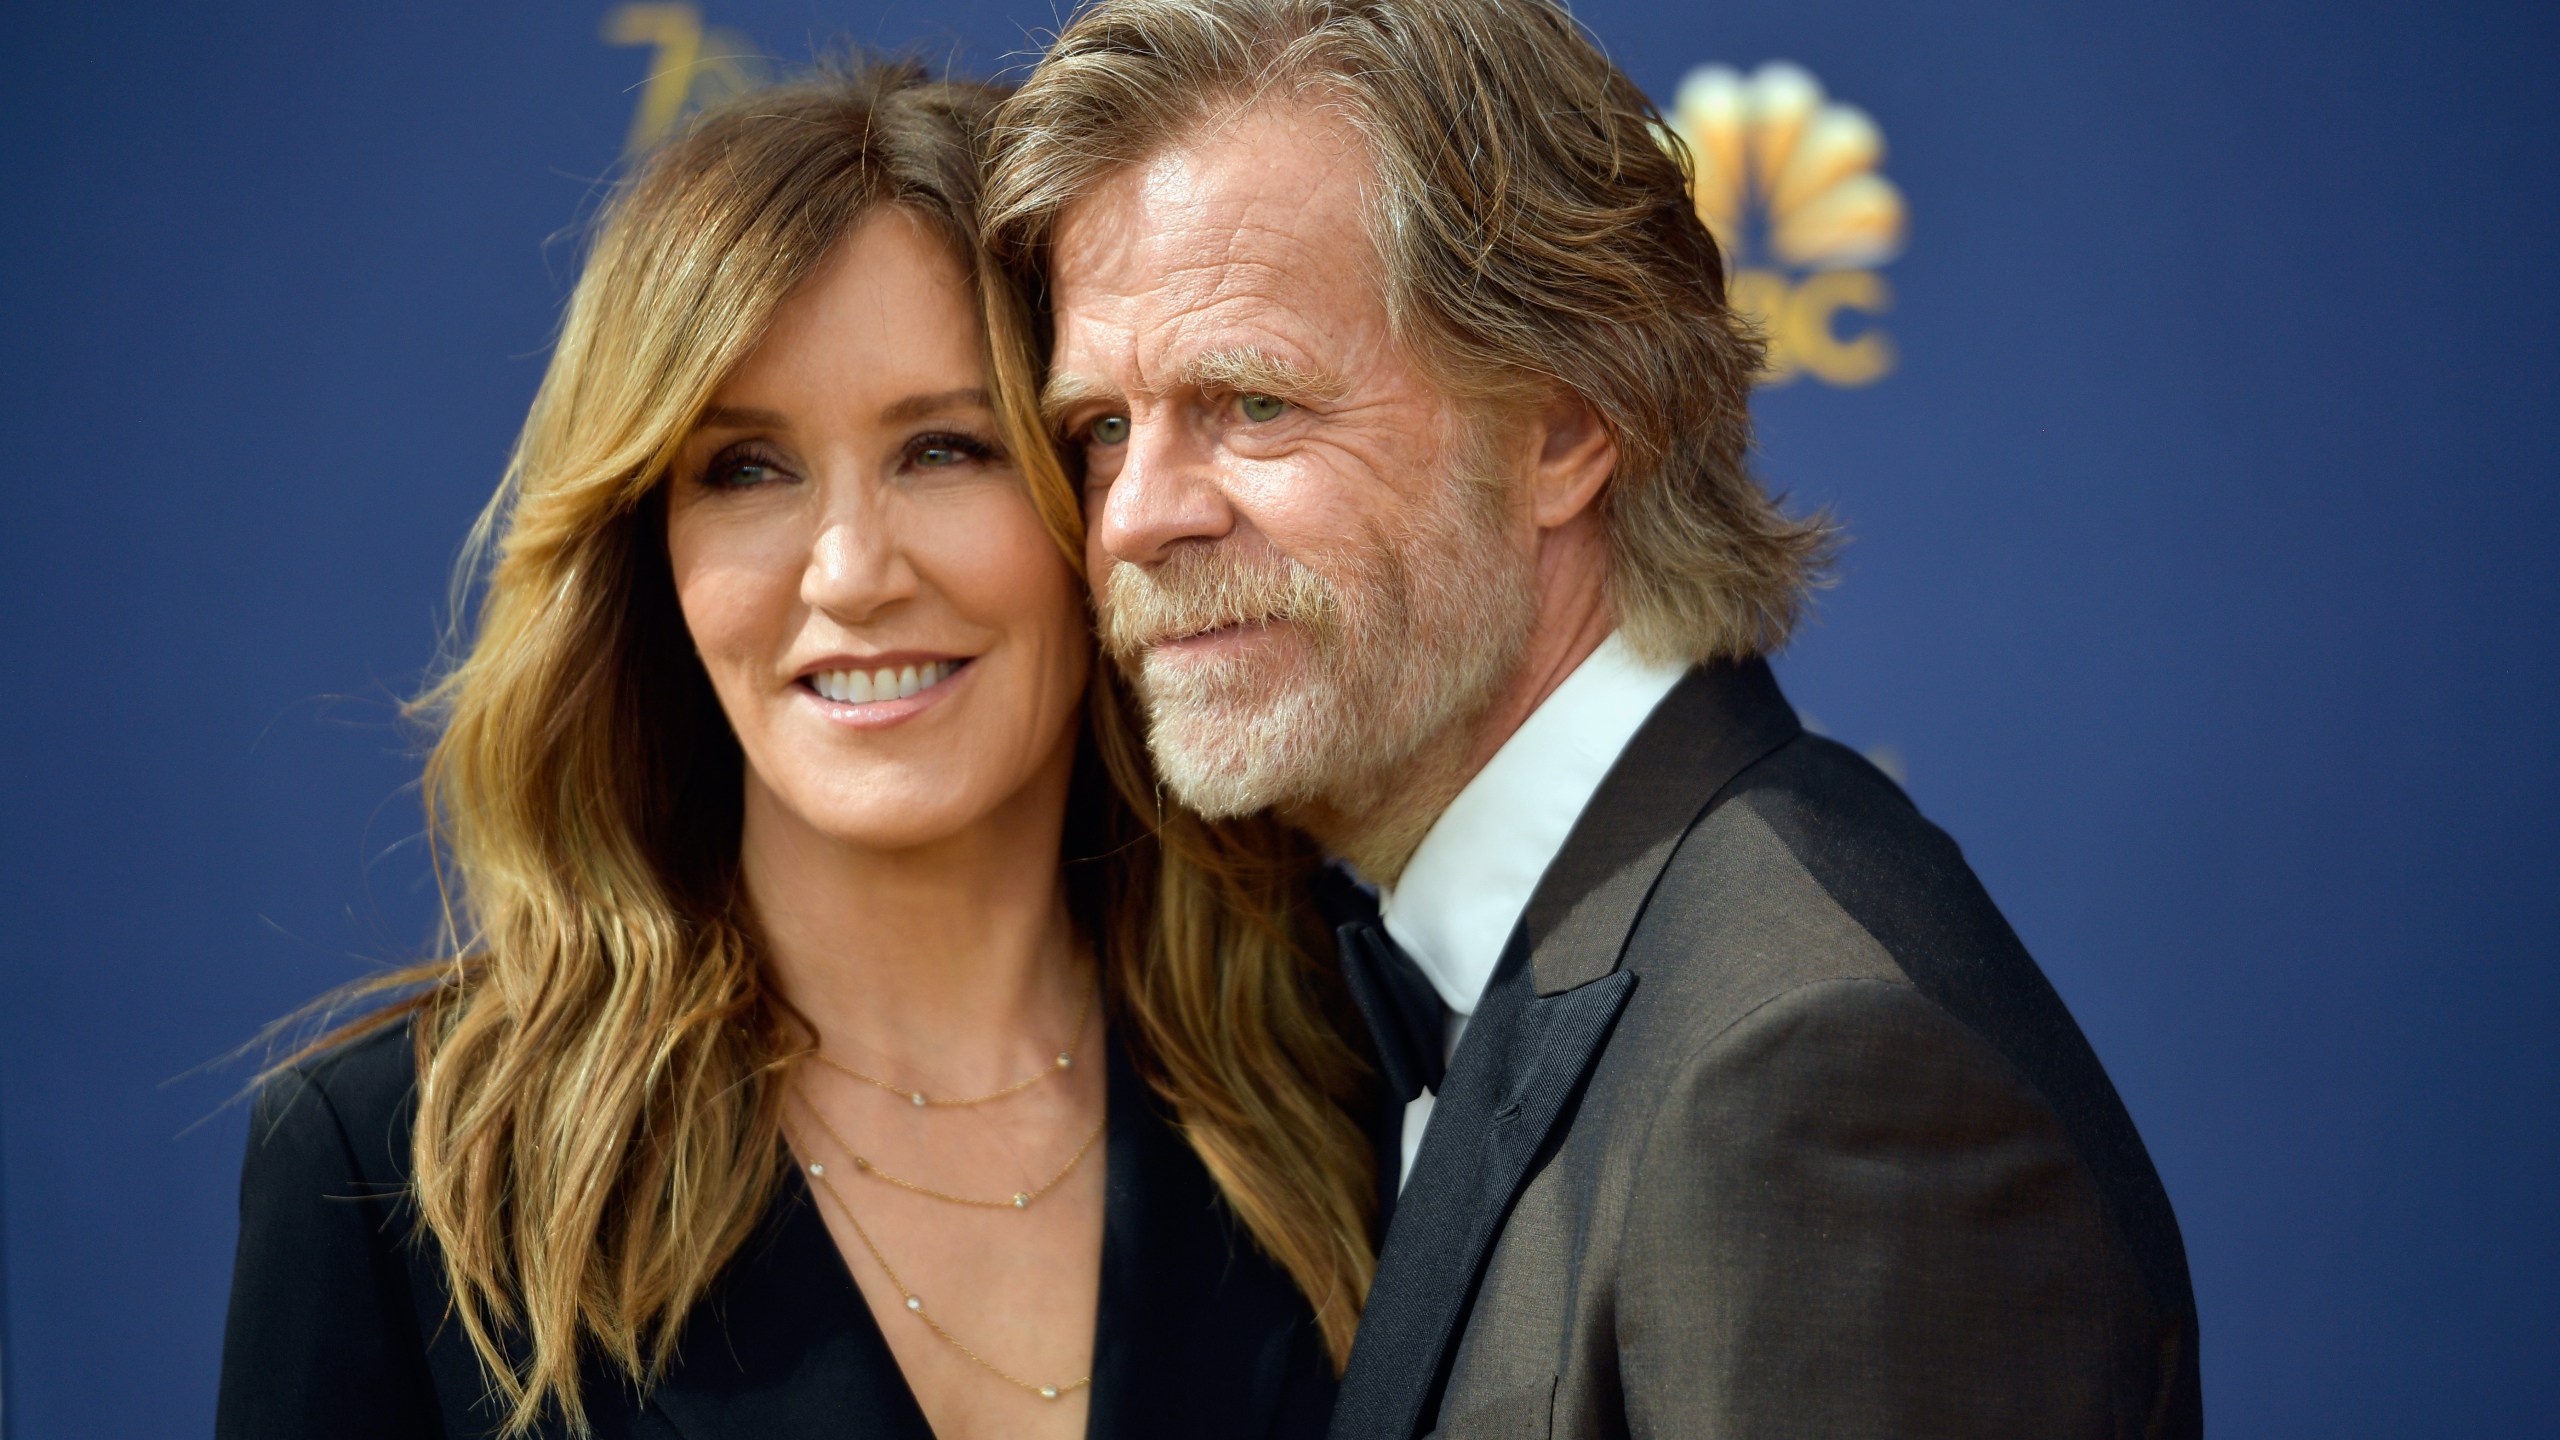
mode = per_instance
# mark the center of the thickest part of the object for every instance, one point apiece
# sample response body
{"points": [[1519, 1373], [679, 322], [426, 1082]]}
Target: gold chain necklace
{"points": [[915, 1302], [1066, 1060], [1018, 1200]]}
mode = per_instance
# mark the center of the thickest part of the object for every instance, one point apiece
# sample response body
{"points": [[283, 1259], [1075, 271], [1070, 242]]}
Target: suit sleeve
{"points": [[1854, 1219], [322, 1339]]}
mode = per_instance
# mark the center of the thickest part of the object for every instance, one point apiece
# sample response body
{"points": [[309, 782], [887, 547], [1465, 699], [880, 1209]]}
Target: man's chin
{"points": [[1214, 784], [1227, 759]]}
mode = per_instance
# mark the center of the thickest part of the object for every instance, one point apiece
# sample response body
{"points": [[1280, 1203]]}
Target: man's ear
{"points": [[1576, 455]]}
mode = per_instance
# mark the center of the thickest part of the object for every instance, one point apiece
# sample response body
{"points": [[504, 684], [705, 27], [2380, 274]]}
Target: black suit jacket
{"points": [[339, 1329], [1767, 1125]]}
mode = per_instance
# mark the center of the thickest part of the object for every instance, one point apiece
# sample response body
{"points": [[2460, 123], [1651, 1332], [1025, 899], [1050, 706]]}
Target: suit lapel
{"points": [[785, 1348], [1523, 1059], [1711, 727], [1542, 1024]]}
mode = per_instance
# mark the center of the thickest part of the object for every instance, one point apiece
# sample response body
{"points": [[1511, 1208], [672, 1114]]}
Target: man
{"points": [[1413, 426]]}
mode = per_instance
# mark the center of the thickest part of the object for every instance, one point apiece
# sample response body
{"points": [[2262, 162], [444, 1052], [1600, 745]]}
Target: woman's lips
{"points": [[881, 695], [889, 682]]}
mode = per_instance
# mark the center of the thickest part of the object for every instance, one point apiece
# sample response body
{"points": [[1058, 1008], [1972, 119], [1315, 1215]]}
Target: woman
{"points": [[824, 1032]]}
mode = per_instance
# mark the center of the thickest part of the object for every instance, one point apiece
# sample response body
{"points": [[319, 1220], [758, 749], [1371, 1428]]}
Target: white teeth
{"points": [[863, 687]]}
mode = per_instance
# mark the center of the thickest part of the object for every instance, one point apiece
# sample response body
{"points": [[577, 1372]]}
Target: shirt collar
{"points": [[1462, 893]]}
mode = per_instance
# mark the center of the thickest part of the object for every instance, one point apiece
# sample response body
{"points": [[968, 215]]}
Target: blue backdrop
{"points": [[2202, 585]]}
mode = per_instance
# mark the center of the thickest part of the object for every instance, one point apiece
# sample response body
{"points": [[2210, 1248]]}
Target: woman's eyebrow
{"points": [[917, 407], [733, 417]]}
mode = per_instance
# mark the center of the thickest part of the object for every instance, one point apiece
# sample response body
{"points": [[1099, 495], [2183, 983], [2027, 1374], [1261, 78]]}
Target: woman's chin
{"points": [[907, 802], [894, 814]]}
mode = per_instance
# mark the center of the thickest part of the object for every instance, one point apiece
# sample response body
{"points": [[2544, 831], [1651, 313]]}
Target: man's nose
{"points": [[1165, 493]]}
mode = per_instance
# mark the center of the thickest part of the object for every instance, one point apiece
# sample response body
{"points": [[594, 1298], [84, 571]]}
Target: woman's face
{"points": [[897, 641]]}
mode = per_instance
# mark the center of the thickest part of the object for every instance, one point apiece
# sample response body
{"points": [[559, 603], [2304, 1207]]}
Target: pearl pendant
{"points": [[918, 1097], [1021, 1201], [818, 1170], [916, 1303], [1065, 1060], [1048, 1392]]}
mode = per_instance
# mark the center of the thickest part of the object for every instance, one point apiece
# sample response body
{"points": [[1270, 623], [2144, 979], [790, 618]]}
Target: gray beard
{"points": [[1398, 646]]}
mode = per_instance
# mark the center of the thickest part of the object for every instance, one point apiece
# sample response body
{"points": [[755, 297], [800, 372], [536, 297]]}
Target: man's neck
{"points": [[1378, 838]]}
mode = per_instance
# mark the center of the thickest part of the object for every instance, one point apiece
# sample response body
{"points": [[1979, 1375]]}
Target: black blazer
{"points": [[1768, 1125], [339, 1323]]}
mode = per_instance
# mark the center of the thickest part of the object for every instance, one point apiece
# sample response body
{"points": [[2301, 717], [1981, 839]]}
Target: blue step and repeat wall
{"points": [[2183, 371]]}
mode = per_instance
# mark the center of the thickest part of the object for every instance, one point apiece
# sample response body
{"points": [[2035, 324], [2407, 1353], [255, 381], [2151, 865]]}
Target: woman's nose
{"points": [[856, 567]]}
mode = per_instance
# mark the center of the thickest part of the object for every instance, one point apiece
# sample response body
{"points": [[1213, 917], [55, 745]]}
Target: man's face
{"points": [[1312, 561]]}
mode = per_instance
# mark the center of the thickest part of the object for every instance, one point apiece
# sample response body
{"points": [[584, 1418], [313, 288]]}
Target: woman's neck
{"points": [[951, 965]]}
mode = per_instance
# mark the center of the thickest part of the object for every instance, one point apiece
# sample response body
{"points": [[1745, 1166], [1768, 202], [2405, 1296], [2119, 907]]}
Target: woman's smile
{"points": [[881, 690]]}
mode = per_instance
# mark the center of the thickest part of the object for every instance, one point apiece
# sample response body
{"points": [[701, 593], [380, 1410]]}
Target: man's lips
{"points": [[1206, 642]]}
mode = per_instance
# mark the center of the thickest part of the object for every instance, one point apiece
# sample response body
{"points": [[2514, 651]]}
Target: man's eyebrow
{"points": [[1066, 391], [1250, 370]]}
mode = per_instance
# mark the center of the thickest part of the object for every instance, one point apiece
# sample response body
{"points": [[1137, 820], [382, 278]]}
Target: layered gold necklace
{"points": [[1066, 1061], [1018, 1200]]}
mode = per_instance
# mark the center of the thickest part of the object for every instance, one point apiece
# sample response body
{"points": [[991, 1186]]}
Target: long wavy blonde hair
{"points": [[600, 1059]]}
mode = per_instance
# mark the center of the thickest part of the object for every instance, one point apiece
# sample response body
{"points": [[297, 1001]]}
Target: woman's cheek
{"points": [[734, 588], [1041, 600], [720, 609], [1003, 566]]}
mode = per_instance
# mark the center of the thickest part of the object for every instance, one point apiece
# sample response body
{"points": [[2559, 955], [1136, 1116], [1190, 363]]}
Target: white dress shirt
{"points": [[1462, 893]]}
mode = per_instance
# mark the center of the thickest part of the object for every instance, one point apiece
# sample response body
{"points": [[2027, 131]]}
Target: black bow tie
{"points": [[1404, 1013]]}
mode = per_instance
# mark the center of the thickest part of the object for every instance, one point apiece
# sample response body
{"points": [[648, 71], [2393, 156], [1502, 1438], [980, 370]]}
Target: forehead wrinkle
{"points": [[1166, 262]]}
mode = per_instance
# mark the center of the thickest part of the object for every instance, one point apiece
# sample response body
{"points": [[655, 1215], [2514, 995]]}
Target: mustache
{"points": [[1199, 590]]}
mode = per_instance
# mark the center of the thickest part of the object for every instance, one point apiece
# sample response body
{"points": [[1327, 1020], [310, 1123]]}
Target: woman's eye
{"points": [[730, 472], [1110, 430], [1261, 408], [944, 452]]}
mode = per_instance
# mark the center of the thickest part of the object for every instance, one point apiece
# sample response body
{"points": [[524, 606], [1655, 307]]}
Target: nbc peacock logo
{"points": [[1787, 181]]}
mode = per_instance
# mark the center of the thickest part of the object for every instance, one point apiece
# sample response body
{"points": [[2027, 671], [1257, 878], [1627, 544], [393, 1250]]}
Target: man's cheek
{"points": [[1308, 511]]}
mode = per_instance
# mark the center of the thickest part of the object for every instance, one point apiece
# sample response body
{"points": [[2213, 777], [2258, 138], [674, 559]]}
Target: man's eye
{"points": [[1110, 430], [1259, 408]]}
